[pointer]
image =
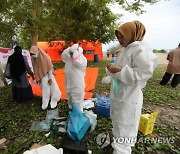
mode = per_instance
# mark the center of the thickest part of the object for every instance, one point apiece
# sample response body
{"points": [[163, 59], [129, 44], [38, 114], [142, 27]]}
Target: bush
{"points": [[159, 51]]}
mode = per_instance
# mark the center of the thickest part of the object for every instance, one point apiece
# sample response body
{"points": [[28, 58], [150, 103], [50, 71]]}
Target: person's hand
{"points": [[108, 65], [50, 81], [34, 82], [33, 77], [38, 82], [113, 69]]}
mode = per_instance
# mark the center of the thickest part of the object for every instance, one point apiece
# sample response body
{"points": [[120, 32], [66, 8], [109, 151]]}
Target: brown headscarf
{"points": [[42, 64], [132, 31]]}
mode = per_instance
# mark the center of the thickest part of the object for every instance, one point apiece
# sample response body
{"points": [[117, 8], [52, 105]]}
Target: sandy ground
{"points": [[162, 58]]}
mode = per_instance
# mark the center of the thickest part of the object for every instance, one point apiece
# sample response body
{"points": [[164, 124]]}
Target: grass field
{"points": [[16, 119]]}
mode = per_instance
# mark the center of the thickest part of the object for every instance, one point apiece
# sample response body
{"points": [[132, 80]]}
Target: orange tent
{"points": [[92, 48], [55, 48]]}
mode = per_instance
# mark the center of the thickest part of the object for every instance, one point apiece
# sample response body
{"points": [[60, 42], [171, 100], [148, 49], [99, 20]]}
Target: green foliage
{"points": [[159, 51], [16, 119], [136, 5], [59, 20]]}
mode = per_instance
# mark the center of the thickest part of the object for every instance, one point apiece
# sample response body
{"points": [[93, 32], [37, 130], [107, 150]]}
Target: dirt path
{"points": [[166, 115]]}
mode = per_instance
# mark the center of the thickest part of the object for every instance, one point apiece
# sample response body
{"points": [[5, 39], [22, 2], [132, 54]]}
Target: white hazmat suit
{"points": [[43, 70], [138, 63], [50, 92], [75, 68]]}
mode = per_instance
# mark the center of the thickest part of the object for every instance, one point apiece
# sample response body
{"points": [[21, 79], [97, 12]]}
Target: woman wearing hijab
{"points": [[134, 65], [21, 89], [43, 70]]}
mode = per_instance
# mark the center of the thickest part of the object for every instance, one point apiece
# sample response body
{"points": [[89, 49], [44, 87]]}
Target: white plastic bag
{"points": [[107, 80], [46, 149], [92, 118]]}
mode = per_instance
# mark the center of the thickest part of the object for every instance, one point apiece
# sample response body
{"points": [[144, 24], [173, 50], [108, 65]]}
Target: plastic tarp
{"points": [[90, 80]]}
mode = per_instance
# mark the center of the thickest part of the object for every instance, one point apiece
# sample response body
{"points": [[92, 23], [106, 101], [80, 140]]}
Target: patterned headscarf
{"points": [[132, 31], [42, 64]]}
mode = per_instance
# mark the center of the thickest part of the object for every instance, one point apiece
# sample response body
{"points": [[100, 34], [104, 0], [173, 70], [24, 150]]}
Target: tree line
{"points": [[25, 22]]}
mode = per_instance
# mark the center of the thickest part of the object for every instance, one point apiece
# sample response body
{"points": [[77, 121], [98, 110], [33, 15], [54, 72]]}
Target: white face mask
{"points": [[35, 56]]}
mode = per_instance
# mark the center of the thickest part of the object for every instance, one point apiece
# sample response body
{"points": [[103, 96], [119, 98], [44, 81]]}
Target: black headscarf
{"points": [[17, 64]]}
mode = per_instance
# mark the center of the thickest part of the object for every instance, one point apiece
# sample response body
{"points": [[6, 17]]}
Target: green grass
{"points": [[161, 95], [16, 119]]}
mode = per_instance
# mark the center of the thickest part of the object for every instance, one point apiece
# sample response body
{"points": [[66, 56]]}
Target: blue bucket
{"points": [[96, 58]]}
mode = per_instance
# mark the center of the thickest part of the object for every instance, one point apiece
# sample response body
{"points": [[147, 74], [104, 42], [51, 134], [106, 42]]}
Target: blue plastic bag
{"points": [[78, 124], [103, 105], [103, 100]]}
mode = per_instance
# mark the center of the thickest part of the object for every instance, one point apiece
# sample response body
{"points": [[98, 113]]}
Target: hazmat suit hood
{"points": [[75, 48]]}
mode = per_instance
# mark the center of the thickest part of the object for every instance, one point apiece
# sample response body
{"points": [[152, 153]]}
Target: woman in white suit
{"points": [[75, 68], [43, 70], [134, 65]]}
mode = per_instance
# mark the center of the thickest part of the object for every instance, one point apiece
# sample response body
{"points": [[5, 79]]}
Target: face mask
{"points": [[35, 56]]}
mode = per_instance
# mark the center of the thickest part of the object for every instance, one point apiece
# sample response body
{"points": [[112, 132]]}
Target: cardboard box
{"points": [[146, 124]]}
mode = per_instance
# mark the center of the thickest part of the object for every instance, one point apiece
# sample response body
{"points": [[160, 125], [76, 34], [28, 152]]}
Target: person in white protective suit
{"points": [[134, 65], [43, 70], [75, 68]]}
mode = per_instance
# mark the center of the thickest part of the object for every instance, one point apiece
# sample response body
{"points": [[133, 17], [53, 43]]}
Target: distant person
{"points": [[75, 68], [173, 67], [108, 54], [18, 65], [43, 70], [132, 69]]}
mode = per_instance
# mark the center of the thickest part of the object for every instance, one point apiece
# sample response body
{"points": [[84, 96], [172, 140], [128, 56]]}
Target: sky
{"points": [[162, 22]]}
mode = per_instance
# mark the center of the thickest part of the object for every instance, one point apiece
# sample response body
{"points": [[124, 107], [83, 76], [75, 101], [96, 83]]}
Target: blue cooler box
{"points": [[103, 109]]}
